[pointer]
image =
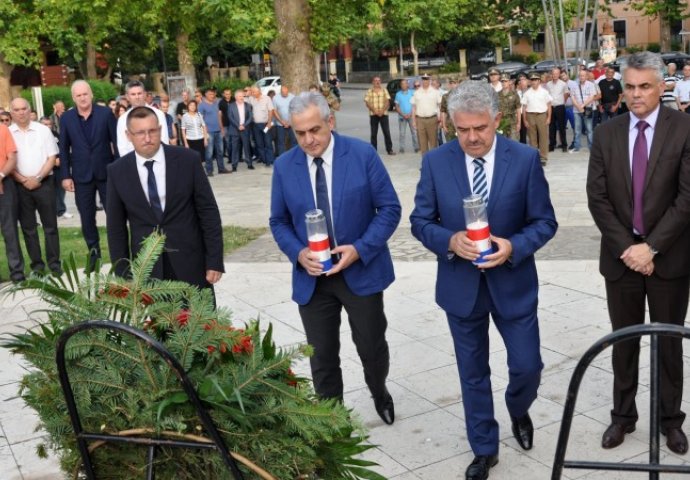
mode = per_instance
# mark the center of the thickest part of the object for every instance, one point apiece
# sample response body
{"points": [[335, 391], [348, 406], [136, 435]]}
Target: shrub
{"points": [[102, 91], [261, 408], [532, 58], [450, 67], [231, 83], [654, 47]]}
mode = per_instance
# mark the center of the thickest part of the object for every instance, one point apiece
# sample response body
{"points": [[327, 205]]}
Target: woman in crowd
{"points": [[194, 130]]}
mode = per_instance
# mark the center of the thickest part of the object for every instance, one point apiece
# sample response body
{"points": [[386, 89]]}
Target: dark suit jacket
{"points": [[191, 220], [234, 117], [85, 161], [519, 209], [366, 212], [666, 197]]}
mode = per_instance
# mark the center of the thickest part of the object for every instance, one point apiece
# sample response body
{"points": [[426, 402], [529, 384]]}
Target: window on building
{"points": [[676, 28], [538, 44], [595, 38], [619, 30]]}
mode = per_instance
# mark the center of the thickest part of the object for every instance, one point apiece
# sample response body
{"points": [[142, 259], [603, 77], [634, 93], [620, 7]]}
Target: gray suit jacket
{"points": [[234, 117]]}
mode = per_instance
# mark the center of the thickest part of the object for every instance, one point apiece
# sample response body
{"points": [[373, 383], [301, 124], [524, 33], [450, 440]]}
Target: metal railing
{"points": [[152, 443], [627, 333]]}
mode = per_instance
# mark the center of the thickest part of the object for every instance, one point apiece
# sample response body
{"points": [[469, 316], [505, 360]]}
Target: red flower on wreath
{"points": [[146, 299], [183, 317], [118, 291], [245, 345], [291, 378]]}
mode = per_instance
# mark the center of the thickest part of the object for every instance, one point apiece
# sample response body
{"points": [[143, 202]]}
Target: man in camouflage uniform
{"points": [[446, 122], [509, 106]]}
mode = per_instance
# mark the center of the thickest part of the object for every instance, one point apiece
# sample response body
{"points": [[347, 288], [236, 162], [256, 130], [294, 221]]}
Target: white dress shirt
{"points": [[489, 161], [158, 170], [34, 146], [648, 133], [327, 157]]}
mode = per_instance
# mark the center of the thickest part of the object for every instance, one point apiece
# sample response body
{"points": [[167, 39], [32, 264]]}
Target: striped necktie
{"points": [[479, 185]]}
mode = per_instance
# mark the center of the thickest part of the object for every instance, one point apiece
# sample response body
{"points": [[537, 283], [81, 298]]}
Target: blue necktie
{"points": [[479, 185], [154, 199], [322, 201]]}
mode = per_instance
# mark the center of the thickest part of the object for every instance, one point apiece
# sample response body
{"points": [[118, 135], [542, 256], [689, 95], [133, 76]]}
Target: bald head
{"points": [[21, 112]]}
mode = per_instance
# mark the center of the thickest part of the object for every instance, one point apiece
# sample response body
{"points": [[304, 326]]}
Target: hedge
{"points": [[101, 91]]}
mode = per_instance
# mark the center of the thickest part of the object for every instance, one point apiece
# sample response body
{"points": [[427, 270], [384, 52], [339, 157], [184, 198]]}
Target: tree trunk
{"points": [[415, 55], [5, 91], [664, 32], [292, 46], [184, 59], [91, 73]]}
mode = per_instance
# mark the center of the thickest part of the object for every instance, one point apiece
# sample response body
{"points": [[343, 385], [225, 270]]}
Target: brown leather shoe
{"points": [[676, 441], [615, 434]]}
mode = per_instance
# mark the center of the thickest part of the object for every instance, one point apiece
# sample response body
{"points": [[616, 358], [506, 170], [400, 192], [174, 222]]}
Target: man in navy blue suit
{"points": [[88, 144], [505, 286], [346, 179]]}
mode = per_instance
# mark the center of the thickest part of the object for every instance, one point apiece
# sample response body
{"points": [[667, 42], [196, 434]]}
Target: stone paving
{"points": [[428, 440]]}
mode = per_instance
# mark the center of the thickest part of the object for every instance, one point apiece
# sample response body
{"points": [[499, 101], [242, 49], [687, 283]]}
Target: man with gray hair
{"points": [[638, 188], [502, 282], [345, 179]]}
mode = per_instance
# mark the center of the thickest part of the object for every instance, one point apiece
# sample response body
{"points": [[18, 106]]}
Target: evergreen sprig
{"points": [[263, 411]]}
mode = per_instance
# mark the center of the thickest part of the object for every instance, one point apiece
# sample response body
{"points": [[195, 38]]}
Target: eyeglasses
{"points": [[5, 120], [154, 132]]}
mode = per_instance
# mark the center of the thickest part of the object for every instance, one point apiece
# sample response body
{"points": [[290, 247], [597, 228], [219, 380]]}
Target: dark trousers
{"points": [[59, 193], [41, 200], [668, 303], [85, 198], [523, 133], [240, 142], [471, 340], [264, 144], [9, 214], [198, 146], [557, 124], [374, 122], [283, 137], [321, 320]]}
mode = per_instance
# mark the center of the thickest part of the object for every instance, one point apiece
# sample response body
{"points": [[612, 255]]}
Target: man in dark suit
{"points": [[510, 177], [346, 179], [88, 144], [239, 125], [638, 187], [162, 188]]}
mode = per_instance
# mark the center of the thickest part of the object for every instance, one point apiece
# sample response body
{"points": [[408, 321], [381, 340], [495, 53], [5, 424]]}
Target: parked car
{"points": [[269, 84], [511, 68], [679, 58], [394, 86], [547, 65]]}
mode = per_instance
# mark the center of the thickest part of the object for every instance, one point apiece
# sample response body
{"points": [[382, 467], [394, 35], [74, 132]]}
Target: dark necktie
{"points": [[479, 185], [639, 170], [154, 199], [322, 201]]}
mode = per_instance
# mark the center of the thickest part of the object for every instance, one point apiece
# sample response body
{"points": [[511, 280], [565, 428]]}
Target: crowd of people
{"points": [[636, 187]]}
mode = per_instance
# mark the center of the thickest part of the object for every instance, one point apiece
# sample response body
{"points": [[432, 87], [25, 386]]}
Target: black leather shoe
{"points": [[385, 408], [676, 441], [480, 466], [523, 430], [615, 434]]}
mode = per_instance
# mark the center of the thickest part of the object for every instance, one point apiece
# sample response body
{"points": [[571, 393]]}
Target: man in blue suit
{"points": [[88, 144], [505, 286], [346, 179]]}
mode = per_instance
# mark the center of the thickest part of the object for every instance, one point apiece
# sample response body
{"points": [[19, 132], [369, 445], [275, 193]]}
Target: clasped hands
{"points": [[639, 258], [310, 260], [465, 248]]}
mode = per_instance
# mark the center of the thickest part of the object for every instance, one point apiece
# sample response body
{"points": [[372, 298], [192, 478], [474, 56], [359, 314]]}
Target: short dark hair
{"points": [[141, 112], [133, 83]]}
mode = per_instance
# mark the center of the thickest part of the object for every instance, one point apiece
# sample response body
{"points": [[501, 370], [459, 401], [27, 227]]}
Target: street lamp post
{"points": [[161, 43]]}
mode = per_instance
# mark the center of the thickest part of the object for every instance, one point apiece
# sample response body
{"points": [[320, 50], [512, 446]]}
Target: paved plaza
{"points": [[428, 439]]}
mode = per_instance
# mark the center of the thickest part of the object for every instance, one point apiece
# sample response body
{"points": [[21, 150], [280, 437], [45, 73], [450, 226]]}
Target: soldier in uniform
{"points": [[446, 122], [509, 106], [332, 99]]}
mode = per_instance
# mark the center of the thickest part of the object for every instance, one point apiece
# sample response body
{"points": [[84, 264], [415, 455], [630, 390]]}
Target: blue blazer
{"points": [[366, 212], [234, 118], [80, 160], [519, 209]]}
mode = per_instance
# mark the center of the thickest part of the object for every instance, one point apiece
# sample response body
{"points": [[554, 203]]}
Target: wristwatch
{"points": [[653, 250], [39, 178], [2, 175]]}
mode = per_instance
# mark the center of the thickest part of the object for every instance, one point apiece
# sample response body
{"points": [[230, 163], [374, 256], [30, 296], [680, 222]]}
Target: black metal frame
{"points": [[627, 333], [217, 442]]}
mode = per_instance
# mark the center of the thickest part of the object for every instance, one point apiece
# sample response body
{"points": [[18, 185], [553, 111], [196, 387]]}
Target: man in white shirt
{"points": [[136, 96], [426, 103], [536, 116], [584, 97], [36, 155], [682, 91], [558, 90]]}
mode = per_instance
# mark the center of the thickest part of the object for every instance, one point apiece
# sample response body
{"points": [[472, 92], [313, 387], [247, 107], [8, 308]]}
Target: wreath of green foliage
{"points": [[263, 411]]}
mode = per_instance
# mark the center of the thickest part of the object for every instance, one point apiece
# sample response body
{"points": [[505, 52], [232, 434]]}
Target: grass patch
{"points": [[71, 240]]}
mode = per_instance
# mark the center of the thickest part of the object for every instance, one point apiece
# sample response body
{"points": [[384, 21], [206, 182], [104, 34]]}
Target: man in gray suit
{"points": [[240, 121]]}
